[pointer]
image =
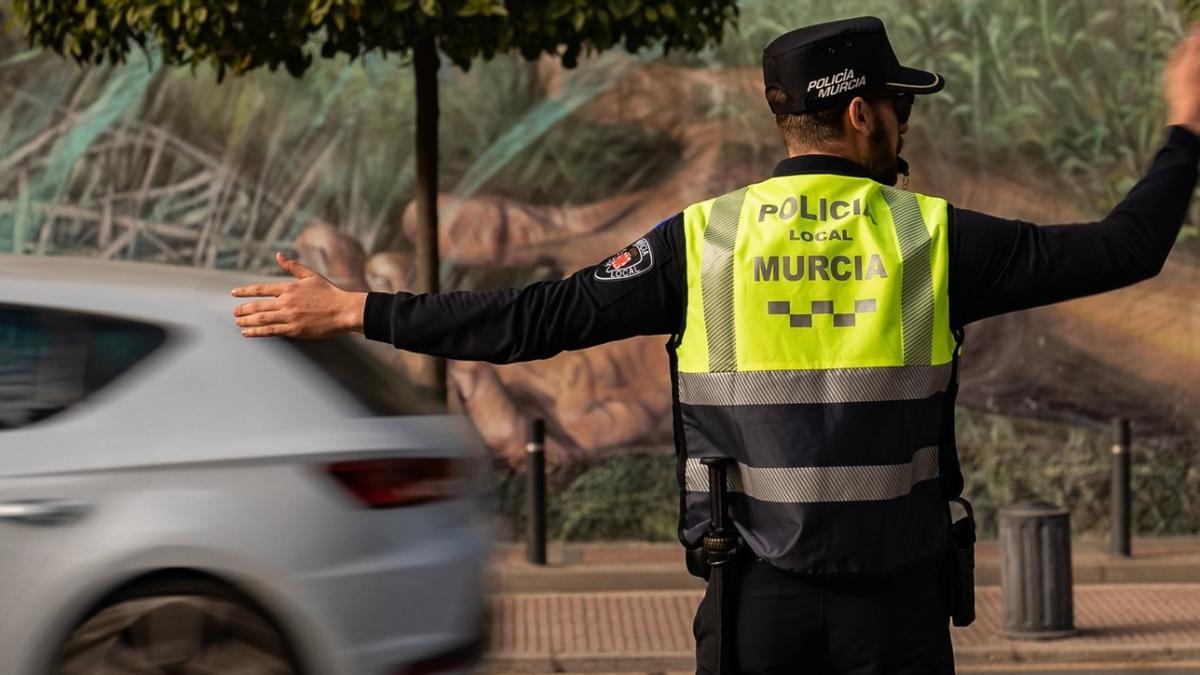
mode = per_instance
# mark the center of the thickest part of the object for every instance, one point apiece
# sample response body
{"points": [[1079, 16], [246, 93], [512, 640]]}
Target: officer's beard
{"points": [[884, 165]]}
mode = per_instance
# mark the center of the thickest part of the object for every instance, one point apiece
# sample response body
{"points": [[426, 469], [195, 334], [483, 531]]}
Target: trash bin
{"points": [[1035, 571]]}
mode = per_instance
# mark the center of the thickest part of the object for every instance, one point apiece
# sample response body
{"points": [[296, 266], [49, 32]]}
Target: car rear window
{"points": [[51, 360], [362, 368]]}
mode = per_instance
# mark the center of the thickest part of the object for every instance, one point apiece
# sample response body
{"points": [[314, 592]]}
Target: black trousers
{"points": [[786, 624]]}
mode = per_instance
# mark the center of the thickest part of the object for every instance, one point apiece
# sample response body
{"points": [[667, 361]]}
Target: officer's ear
{"points": [[861, 116]]}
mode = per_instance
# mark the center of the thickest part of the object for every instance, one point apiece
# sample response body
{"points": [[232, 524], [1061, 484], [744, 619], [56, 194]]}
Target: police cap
{"points": [[830, 63]]}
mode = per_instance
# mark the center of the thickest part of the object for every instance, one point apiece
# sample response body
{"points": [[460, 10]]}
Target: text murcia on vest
{"points": [[819, 267]]}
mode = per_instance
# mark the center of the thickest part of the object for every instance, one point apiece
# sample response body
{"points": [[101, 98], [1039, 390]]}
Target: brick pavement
{"points": [[630, 622], [650, 631]]}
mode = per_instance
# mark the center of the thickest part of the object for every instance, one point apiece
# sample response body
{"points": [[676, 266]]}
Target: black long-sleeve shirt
{"points": [[996, 266]]}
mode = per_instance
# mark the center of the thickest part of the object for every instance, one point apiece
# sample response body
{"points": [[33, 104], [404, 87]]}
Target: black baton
{"points": [[962, 536], [720, 545]]}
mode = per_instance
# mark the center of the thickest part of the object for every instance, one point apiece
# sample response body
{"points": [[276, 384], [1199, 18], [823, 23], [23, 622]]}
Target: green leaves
{"points": [[483, 8], [1190, 9], [240, 35]]}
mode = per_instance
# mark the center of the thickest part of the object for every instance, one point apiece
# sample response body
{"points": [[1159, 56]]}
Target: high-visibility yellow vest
{"points": [[817, 352]]}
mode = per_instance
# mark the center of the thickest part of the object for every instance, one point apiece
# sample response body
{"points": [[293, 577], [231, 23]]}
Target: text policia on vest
{"points": [[825, 210], [818, 210]]}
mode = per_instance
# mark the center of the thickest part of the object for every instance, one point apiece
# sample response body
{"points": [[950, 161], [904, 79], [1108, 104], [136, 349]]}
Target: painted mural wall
{"points": [[1050, 113]]}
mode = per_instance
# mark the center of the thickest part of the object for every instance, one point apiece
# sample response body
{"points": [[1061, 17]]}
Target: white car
{"points": [[175, 498]]}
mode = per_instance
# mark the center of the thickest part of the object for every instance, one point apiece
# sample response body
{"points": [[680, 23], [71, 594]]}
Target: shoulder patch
{"points": [[631, 261]]}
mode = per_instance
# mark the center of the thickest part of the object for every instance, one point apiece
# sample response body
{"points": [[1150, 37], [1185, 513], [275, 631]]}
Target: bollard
{"points": [[535, 487], [1121, 513], [1035, 571]]}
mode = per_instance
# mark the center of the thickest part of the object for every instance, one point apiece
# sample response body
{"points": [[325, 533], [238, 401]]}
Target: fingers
{"points": [[254, 318], [274, 330], [278, 317], [249, 308], [260, 290], [262, 319], [275, 290], [293, 268]]}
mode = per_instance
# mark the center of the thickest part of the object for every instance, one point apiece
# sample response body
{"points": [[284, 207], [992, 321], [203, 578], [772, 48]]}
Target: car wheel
{"points": [[191, 627]]}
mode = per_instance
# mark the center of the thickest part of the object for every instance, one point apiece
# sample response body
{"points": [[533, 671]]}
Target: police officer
{"points": [[815, 320]]}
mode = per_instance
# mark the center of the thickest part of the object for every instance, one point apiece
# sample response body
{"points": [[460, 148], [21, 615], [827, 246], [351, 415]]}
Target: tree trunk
{"points": [[425, 63]]}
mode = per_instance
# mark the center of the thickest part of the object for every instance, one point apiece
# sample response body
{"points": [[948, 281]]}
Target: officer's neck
{"points": [[849, 149], [852, 162], [840, 161], [848, 158]]}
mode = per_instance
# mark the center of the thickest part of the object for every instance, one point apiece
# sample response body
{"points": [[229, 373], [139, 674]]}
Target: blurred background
{"points": [[1051, 111]]}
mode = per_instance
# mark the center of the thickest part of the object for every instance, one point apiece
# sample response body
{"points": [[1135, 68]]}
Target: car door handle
{"points": [[42, 511]]}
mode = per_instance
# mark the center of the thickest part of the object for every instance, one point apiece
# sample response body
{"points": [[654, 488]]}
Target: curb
{"points": [[1016, 655], [524, 578], [592, 579], [1053, 652], [590, 663]]}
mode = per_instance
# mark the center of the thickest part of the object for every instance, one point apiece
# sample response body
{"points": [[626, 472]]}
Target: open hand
{"points": [[1181, 82], [309, 307]]}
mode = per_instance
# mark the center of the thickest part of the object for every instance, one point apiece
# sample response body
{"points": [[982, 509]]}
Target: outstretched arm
{"points": [[1001, 265], [638, 291]]}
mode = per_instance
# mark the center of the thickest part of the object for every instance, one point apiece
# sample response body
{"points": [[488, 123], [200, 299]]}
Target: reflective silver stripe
{"points": [[716, 279], [936, 80], [796, 485], [844, 385], [916, 281]]}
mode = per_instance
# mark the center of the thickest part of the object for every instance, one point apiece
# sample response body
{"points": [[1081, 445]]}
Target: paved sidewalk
{"points": [[622, 566], [628, 608], [1142, 625]]}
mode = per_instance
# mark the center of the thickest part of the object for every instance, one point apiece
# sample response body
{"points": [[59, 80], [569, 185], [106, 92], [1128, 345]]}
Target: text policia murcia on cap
{"points": [[831, 85]]}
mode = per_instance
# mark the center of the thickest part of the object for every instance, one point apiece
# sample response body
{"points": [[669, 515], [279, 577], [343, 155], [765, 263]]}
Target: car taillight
{"points": [[389, 483]]}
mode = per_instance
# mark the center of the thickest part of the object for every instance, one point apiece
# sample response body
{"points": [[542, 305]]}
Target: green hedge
{"points": [[633, 496], [1006, 459], [627, 497]]}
